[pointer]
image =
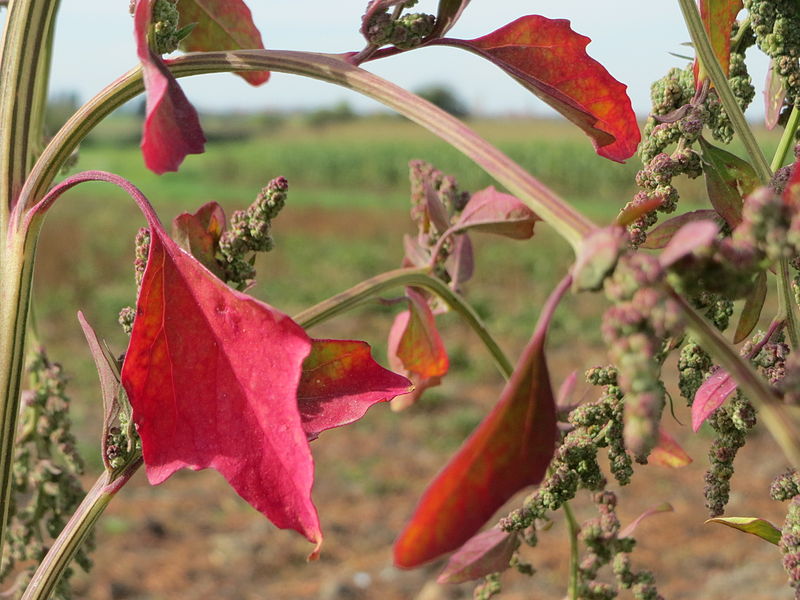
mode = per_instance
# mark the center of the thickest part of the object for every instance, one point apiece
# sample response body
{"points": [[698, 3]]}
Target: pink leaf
{"points": [[171, 127], [212, 376], [340, 381], [222, 25], [668, 453], [660, 236], [711, 395], [461, 262], [488, 552], [550, 59], [692, 236], [631, 527], [199, 234], [495, 212]]}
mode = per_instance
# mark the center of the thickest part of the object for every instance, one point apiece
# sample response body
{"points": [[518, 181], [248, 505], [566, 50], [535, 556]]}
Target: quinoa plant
{"points": [[214, 378]]}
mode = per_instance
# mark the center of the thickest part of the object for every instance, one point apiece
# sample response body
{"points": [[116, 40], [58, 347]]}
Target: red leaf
{"points": [[692, 236], [550, 59], [718, 17], [488, 552], [212, 376], [711, 395], [416, 348], [508, 451], [199, 234], [171, 127], [668, 453], [791, 193], [660, 236], [222, 25], [340, 381], [495, 212]]}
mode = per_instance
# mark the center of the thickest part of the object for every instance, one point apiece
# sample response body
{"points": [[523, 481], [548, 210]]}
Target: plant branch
{"points": [[566, 220], [776, 415], [573, 529], [787, 140], [75, 532], [368, 289]]}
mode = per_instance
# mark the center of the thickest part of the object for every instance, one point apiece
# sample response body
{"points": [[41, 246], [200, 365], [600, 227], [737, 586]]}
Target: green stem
{"points": [[368, 289], [709, 61], [16, 268], [787, 140], [776, 415], [573, 529], [75, 532], [566, 220], [24, 40], [42, 83]]}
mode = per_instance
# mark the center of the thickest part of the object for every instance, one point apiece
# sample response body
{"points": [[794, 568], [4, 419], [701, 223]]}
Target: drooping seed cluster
{"points": [[46, 488], [776, 24], [786, 486]]}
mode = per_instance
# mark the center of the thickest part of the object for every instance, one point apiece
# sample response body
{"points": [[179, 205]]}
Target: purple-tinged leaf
{"points": [[692, 236], [774, 97], [199, 234], [107, 371], [448, 13], [495, 212], [549, 58], [668, 452], [628, 530], [487, 552], [660, 236], [711, 395], [509, 450], [340, 382], [635, 210], [752, 525], [437, 213], [751, 312], [222, 25], [171, 126], [461, 262], [415, 255], [728, 180]]}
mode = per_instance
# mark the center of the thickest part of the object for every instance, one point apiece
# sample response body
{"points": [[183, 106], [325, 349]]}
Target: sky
{"points": [[631, 38]]}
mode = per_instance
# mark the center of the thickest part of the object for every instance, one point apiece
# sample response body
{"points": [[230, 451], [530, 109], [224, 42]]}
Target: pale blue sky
{"points": [[632, 38]]}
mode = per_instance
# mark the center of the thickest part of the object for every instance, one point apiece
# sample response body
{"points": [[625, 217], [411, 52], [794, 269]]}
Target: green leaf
{"points": [[752, 525], [728, 180], [752, 308]]}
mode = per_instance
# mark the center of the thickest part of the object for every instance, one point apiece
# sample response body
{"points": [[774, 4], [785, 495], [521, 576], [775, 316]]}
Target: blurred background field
{"points": [[345, 217]]}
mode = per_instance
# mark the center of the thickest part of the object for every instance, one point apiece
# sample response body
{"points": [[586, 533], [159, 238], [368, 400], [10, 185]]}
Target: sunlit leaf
{"points": [[171, 127], [718, 17], [751, 311], [668, 452], [222, 25], [508, 451], [549, 58], [340, 381], [488, 552], [728, 180], [199, 234], [495, 212], [692, 236], [752, 525], [661, 235]]}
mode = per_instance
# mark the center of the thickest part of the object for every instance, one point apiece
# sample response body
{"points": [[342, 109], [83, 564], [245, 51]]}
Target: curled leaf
{"points": [[487, 552], [222, 25], [340, 381], [549, 58], [171, 126], [416, 348], [508, 451], [199, 234], [752, 525], [628, 530], [661, 235], [668, 452], [495, 212]]}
